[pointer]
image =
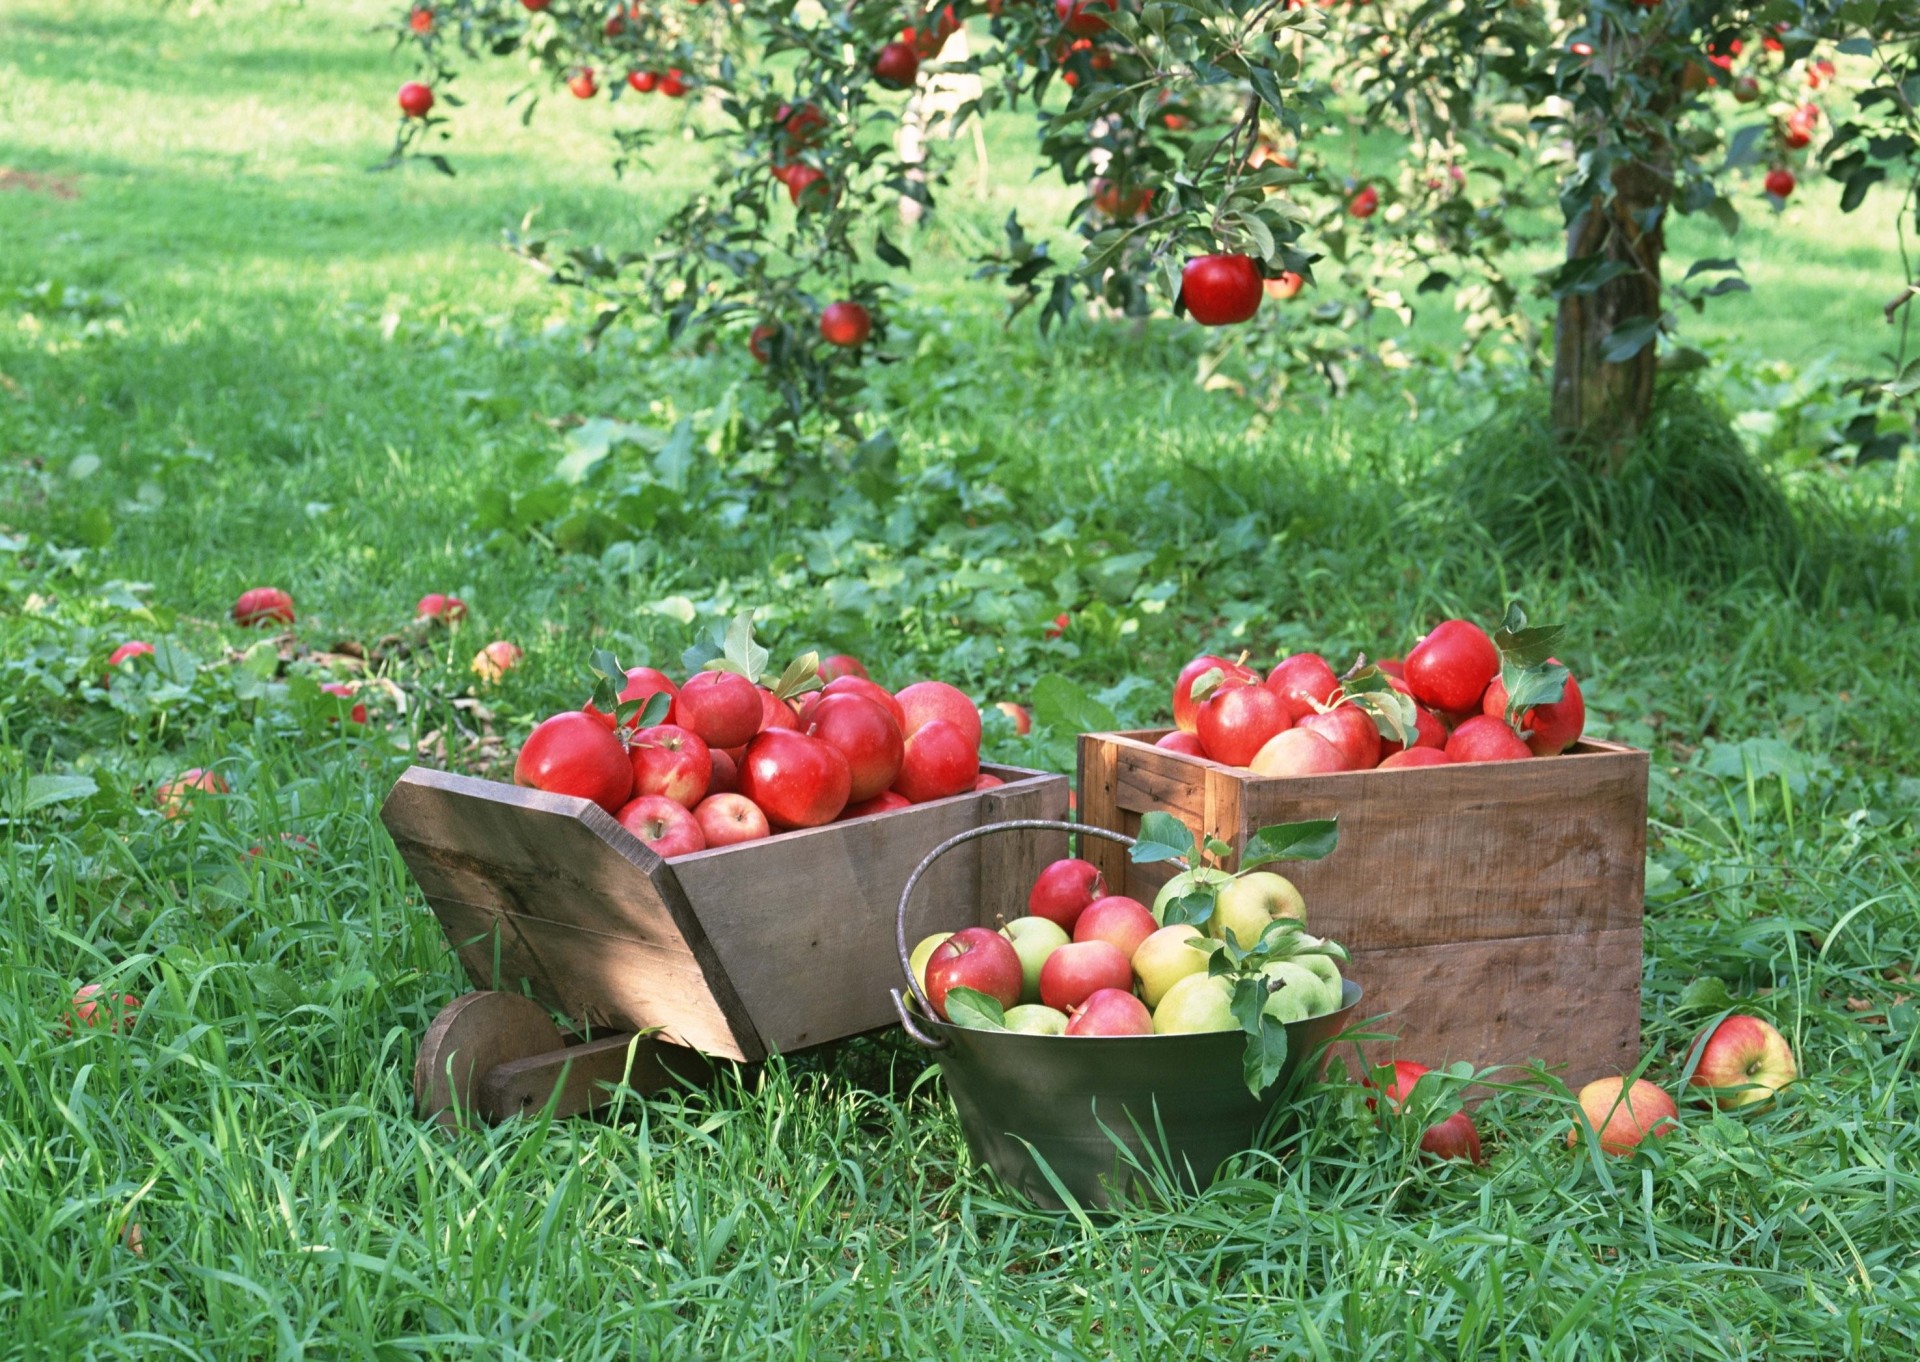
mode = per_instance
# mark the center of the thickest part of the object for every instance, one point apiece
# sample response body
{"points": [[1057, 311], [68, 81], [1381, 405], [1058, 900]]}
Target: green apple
{"points": [[918, 960], [1166, 957], [1301, 994], [1199, 1002], [1034, 939], [1251, 902], [1186, 882], [1036, 1020], [1323, 965]]}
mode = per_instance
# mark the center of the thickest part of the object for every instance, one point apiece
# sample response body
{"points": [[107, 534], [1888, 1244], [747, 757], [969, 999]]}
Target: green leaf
{"points": [[1521, 646], [1392, 713], [972, 1008], [1629, 339], [1304, 841], [1062, 704], [1205, 684], [1162, 838], [1545, 684], [651, 711], [54, 789], [741, 653], [1266, 1052], [1193, 910], [802, 675]]}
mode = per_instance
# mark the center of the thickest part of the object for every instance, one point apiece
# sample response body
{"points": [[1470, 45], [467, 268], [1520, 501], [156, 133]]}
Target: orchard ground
{"points": [[230, 357]]}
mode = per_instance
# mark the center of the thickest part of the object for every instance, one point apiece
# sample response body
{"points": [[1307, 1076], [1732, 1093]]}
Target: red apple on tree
{"points": [[798, 782], [974, 958], [1365, 203], [1780, 182], [667, 827], [845, 324], [582, 84], [726, 819], [896, 65], [573, 754], [1064, 890], [415, 99], [1082, 18], [1221, 290]]}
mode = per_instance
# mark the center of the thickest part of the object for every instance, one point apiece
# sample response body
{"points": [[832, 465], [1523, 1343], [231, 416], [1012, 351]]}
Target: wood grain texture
{"points": [[471, 1036], [585, 1076]]}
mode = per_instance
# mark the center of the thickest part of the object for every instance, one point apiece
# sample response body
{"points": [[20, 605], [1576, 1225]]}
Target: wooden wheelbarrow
{"points": [[651, 965]]}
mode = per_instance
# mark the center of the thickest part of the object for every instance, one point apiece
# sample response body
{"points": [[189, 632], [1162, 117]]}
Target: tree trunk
{"points": [[1600, 406]]}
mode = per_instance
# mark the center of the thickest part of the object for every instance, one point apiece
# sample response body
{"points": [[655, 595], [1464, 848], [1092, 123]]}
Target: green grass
{"points": [[335, 382]]}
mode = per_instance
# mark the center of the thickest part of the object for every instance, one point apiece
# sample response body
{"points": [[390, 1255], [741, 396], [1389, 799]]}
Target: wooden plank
{"points": [[564, 898], [804, 924], [586, 1076], [1572, 1001], [1099, 807], [1010, 862]]}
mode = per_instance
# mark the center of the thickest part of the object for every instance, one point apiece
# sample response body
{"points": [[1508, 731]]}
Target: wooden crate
{"points": [[1493, 910], [737, 952]]}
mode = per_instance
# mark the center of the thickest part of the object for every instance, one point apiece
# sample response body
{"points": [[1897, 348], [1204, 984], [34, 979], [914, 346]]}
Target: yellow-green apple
{"points": [[1236, 721], [938, 760], [572, 754], [1205, 879], [93, 1006], [1453, 1138], [1110, 1012], [725, 819], [1323, 965], [1064, 889], [977, 958], [1298, 752], [1123, 921], [1250, 902], [917, 961], [798, 782], [496, 660], [1168, 956], [1743, 1061], [669, 828], [1304, 682], [1301, 993], [925, 701], [1076, 971], [1199, 1002], [1036, 1020], [1623, 1116], [722, 707], [867, 736], [1486, 737], [1185, 710], [668, 760], [1034, 939]]}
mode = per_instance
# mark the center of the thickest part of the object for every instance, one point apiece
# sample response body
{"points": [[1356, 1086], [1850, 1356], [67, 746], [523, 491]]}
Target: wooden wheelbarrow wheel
{"points": [[473, 1035]]}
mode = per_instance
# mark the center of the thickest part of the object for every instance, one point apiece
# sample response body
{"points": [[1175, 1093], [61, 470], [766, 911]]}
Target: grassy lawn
{"points": [[256, 363]]}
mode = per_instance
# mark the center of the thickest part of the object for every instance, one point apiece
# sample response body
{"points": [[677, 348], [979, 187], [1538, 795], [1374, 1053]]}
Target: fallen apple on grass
{"points": [[94, 1005], [1742, 1062], [1623, 1116]]}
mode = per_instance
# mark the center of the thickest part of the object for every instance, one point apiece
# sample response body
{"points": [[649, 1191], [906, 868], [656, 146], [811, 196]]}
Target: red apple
{"points": [[1453, 1138], [573, 754], [1064, 890], [643, 81], [1110, 1012], [845, 324], [340, 690], [1185, 711], [1022, 721], [122, 654], [726, 772], [1079, 969], [1744, 1061], [1416, 756], [1450, 668], [1553, 728], [983, 781], [643, 683], [440, 608], [1623, 1116], [582, 84], [94, 1006], [1304, 681], [1188, 744], [1365, 203], [924, 701], [496, 660], [725, 819], [867, 737], [1221, 290], [1238, 720], [669, 761], [175, 796], [1780, 182], [837, 665], [415, 99], [1118, 920], [1428, 731], [775, 712], [1352, 732], [1485, 738], [896, 65], [1298, 752], [855, 685], [1082, 18], [884, 802], [798, 782], [1406, 1073], [939, 761], [668, 828], [974, 958], [261, 606], [1285, 285], [722, 707]]}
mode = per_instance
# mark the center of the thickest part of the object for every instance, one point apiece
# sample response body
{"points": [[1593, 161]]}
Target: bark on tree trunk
{"points": [[1600, 406]]}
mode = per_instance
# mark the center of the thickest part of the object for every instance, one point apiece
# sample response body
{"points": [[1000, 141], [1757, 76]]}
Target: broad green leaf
{"points": [[1628, 339], [1520, 645], [43, 790], [970, 1007], [1065, 705], [1304, 841], [1266, 1052], [1162, 838]]}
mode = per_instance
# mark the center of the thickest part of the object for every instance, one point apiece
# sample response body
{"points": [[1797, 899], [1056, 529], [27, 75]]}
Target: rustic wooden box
{"points": [[1493, 910], [737, 952]]}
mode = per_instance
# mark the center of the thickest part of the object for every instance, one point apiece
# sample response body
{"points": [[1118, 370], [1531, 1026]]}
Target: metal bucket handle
{"points": [[913, 881]]}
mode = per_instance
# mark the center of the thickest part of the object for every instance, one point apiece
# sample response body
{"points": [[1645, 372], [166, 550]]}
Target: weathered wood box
{"points": [[738, 952], [1493, 910]]}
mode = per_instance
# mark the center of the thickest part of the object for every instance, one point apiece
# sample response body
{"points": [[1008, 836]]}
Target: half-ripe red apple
{"points": [[1453, 1138], [136, 649], [924, 701], [341, 691], [670, 761], [573, 754], [262, 606], [1298, 752], [1118, 920], [496, 660], [1185, 711], [867, 737], [1110, 1012], [440, 608], [1352, 732], [1238, 720], [1022, 721], [798, 782], [725, 819], [1450, 669], [1553, 728], [884, 802], [939, 761], [1187, 744], [974, 958], [1623, 1116], [1064, 890], [1415, 756], [175, 797], [1486, 737], [1304, 681], [668, 828], [1076, 971], [1745, 1061], [722, 707], [93, 1005]]}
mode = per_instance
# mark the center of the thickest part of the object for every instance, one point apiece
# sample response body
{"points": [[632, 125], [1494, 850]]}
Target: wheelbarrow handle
{"points": [[913, 881]]}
